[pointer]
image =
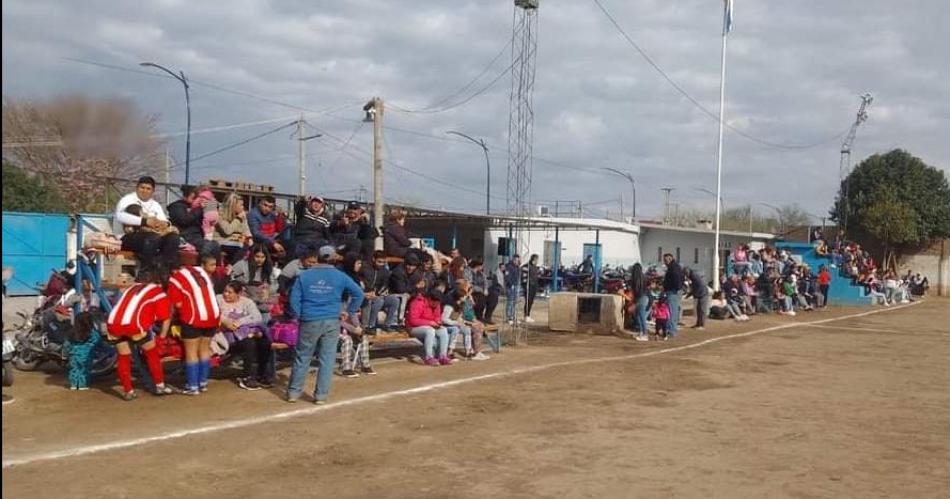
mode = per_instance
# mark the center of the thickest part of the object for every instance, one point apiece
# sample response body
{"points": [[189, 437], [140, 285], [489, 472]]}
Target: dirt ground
{"points": [[856, 407]]}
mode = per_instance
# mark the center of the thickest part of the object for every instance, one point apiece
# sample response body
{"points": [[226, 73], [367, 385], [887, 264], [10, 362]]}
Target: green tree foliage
{"points": [[25, 192], [897, 199]]}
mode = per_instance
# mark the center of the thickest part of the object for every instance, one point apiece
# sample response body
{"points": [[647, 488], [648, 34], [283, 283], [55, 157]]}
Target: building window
{"points": [[659, 253], [677, 254], [695, 255]]}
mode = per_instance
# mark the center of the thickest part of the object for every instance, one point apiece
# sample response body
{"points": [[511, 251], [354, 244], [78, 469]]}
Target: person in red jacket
{"points": [[191, 292], [824, 283], [424, 321], [130, 323]]}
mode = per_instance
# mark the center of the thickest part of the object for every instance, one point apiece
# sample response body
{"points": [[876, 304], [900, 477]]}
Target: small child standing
{"points": [[661, 315], [82, 339], [206, 201]]}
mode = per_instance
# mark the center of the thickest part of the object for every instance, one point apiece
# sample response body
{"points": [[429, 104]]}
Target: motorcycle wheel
{"points": [[26, 361], [103, 360], [7, 375]]}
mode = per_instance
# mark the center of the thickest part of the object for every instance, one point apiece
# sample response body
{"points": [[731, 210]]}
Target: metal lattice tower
{"points": [[844, 166], [524, 49]]}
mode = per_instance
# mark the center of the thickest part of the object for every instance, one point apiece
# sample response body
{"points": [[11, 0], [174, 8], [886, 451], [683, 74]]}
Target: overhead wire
{"points": [[699, 105], [235, 145]]}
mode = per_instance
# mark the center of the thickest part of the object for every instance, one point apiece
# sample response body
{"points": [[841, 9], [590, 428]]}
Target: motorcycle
{"points": [[8, 344], [8, 350], [40, 338]]}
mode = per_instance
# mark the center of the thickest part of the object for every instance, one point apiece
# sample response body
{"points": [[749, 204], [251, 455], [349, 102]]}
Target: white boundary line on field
{"points": [[123, 444], [850, 328]]}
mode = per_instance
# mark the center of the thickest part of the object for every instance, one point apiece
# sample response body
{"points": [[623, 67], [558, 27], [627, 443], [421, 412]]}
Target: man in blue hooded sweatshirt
{"points": [[316, 298]]}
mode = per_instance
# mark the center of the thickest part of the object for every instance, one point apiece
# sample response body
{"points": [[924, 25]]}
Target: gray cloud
{"points": [[795, 70]]}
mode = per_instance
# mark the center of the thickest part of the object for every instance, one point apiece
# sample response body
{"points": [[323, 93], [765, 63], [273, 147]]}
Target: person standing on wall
{"points": [[316, 299], [672, 285]]}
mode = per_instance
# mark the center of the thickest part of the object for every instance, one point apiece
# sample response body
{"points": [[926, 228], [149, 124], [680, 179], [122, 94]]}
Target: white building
{"points": [[622, 244], [693, 246]]}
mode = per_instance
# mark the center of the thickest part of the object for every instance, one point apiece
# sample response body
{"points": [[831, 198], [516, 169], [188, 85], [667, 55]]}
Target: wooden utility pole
{"points": [[374, 111]]}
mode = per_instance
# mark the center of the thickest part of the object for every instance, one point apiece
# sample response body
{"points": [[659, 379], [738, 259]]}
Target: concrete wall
{"points": [[695, 248], [619, 248], [933, 263]]}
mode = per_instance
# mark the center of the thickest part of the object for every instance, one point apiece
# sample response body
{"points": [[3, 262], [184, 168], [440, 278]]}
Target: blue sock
{"points": [[192, 372], [205, 371]]}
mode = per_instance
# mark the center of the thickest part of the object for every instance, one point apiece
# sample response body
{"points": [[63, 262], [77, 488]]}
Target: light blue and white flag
{"points": [[727, 19]]}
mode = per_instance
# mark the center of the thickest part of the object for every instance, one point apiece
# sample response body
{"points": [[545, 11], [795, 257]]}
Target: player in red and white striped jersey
{"points": [[191, 292], [130, 324]]}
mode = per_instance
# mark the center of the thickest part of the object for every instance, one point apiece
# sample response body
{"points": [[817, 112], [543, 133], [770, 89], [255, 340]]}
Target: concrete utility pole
{"points": [[302, 154], [374, 113]]}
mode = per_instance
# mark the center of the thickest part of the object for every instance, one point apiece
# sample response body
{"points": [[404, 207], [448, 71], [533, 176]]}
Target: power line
{"points": [[215, 87], [696, 103], [236, 144], [437, 107]]}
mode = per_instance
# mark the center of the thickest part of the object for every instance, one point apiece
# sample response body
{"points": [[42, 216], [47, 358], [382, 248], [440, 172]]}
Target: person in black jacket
{"points": [[512, 287], [672, 285], [376, 286], [188, 221], [352, 229], [697, 289], [395, 238], [532, 283], [312, 230], [401, 282]]}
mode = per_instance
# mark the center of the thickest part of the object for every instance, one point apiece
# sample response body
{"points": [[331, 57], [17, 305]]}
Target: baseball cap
{"points": [[317, 199], [353, 205], [326, 252]]}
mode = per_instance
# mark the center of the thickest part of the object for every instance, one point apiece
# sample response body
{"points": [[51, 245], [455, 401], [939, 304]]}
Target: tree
{"points": [[80, 145], [25, 192], [891, 221], [897, 200]]}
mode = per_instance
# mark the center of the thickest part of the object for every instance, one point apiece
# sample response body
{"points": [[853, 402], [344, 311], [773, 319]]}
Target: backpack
{"points": [[285, 332]]}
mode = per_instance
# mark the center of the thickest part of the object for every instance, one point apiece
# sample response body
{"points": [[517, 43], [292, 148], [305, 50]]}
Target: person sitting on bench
{"points": [[152, 249]]}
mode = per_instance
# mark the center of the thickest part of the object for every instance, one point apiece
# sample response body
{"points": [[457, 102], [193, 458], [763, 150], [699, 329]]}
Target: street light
{"points": [[722, 200], [633, 187], [781, 219], [184, 81], [480, 143]]}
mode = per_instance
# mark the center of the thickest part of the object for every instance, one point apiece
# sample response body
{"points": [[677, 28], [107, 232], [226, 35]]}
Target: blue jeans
{"points": [[322, 337], [427, 335], [372, 307], [453, 333], [642, 304], [511, 300], [673, 299]]}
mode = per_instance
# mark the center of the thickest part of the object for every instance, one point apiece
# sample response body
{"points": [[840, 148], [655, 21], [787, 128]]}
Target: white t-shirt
{"points": [[150, 208]]}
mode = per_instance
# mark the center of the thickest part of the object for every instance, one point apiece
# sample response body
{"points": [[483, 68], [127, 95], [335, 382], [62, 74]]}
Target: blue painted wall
{"points": [[33, 244], [841, 291]]}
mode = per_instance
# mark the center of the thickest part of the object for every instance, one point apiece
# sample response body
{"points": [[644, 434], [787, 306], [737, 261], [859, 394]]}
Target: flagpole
{"points": [[722, 103]]}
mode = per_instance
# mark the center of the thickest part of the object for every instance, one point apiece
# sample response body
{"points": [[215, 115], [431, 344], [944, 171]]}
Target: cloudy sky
{"points": [[795, 73]]}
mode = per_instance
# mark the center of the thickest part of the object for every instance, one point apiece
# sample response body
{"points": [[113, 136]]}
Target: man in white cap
{"points": [[316, 299]]}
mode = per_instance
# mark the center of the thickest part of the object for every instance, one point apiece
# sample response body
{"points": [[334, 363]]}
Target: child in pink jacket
{"points": [[661, 315], [424, 321], [206, 201]]}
